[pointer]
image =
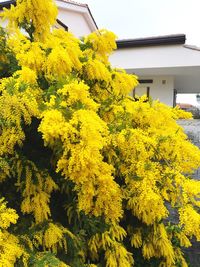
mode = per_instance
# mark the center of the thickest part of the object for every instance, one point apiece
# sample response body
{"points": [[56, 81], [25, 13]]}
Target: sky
{"points": [[144, 18], [187, 98]]}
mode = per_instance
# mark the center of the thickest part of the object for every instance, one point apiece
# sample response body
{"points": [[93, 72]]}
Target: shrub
{"points": [[90, 171]]}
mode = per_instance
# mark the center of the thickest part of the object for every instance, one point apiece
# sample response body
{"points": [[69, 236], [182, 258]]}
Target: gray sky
{"points": [[142, 18]]}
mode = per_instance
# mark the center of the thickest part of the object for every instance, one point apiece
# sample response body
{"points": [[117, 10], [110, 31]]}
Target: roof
{"points": [[74, 3], [192, 47], [184, 105], [152, 41], [7, 4]]}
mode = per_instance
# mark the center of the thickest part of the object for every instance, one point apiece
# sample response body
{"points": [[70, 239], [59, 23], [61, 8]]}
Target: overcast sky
{"points": [[142, 18]]}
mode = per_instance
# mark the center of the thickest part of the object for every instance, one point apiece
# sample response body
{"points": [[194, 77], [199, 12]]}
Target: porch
{"points": [[165, 65]]}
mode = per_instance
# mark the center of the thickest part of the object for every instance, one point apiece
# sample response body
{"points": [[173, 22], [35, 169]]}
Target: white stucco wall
{"points": [[155, 57], [76, 17], [75, 22], [178, 61], [162, 88]]}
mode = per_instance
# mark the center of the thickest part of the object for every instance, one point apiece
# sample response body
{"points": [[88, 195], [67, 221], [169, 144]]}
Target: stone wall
{"points": [[192, 129]]}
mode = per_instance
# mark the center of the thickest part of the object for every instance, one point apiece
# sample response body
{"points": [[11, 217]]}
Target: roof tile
{"points": [[74, 3]]}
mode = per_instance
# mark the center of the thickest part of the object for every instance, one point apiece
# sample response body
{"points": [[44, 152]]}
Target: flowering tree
{"points": [[88, 172]]}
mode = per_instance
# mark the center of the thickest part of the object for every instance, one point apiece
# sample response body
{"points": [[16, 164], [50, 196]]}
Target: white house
{"points": [[165, 65], [77, 17], [72, 16]]}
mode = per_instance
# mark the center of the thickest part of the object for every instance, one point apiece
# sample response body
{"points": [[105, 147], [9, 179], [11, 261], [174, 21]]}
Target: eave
{"points": [[152, 41]]}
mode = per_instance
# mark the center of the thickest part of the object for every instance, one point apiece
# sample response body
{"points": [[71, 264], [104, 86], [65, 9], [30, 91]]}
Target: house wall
{"points": [[76, 17], [180, 62], [75, 22], [167, 56], [162, 88]]}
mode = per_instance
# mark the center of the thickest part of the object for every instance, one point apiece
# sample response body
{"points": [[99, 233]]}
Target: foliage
{"points": [[90, 171]]}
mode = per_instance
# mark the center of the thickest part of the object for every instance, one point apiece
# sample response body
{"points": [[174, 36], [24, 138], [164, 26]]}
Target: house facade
{"points": [[165, 66], [77, 17]]}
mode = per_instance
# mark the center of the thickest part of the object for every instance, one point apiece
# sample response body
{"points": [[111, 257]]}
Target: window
{"points": [[141, 90]]}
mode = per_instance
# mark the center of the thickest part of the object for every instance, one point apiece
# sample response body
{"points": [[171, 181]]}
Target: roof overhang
{"points": [[163, 56], [186, 79], [7, 4], [152, 41]]}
